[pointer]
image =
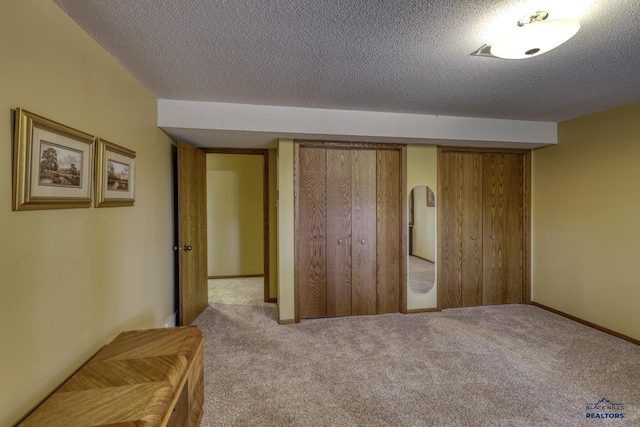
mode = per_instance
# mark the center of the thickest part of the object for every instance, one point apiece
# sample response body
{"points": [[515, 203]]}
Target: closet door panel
{"points": [[503, 189], [450, 230], [471, 226], [311, 262], [339, 232], [363, 213], [389, 223]]}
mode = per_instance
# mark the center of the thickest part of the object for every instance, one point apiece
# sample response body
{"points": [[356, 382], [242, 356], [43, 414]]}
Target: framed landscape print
{"points": [[115, 175], [52, 164]]}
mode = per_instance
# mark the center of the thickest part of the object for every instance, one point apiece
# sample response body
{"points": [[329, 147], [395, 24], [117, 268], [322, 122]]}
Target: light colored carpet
{"points": [[422, 275], [509, 365]]}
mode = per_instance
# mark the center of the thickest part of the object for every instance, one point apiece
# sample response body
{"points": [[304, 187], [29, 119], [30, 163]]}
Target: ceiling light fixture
{"points": [[535, 36]]}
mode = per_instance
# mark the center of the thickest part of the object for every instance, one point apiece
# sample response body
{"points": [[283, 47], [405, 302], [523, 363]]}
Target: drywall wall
{"points": [[585, 227], [273, 225], [286, 252], [72, 279], [422, 169], [235, 242]]}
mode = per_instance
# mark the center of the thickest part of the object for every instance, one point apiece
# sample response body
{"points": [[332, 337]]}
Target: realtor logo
{"points": [[605, 408]]}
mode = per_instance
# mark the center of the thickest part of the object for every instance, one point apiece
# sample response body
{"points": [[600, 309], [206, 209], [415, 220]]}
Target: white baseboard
{"points": [[171, 321]]}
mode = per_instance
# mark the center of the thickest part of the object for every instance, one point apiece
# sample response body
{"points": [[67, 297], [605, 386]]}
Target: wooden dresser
{"points": [[145, 378]]}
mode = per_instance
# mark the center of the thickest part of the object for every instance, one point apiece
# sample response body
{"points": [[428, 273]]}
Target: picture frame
{"points": [[431, 198], [115, 175], [52, 164]]}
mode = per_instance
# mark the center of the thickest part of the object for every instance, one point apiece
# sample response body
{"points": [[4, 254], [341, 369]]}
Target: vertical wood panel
{"points": [[503, 256], [339, 232], [192, 231], [363, 210], [389, 228], [449, 230], [471, 207], [311, 221]]}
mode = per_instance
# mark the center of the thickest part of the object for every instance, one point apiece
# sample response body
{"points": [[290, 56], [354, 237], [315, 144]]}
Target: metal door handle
{"points": [[362, 241], [185, 248], [473, 237], [493, 236], [340, 241]]}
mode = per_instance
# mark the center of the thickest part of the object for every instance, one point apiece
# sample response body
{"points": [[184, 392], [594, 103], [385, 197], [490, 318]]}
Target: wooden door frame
{"points": [[265, 204], [402, 148], [526, 220]]}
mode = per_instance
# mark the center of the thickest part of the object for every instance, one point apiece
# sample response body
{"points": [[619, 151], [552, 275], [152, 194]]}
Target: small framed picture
{"points": [[431, 198], [52, 164], [115, 175]]}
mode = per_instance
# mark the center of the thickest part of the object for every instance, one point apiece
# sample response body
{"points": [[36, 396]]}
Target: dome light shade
{"points": [[535, 38]]}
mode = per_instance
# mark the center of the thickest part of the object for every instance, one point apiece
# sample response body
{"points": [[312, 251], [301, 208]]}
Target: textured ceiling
{"points": [[408, 56]]}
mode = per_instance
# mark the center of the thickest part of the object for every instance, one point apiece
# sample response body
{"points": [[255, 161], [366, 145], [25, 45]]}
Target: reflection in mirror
{"points": [[422, 240]]}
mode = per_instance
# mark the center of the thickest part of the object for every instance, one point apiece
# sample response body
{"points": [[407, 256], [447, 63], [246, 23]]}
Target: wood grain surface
{"points": [[363, 210], [339, 191], [389, 227], [311, 228], [136, 380], [503, 199], [471, 233], [192, 232]]}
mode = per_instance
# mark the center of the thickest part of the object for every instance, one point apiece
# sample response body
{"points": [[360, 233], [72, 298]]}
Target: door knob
{"points": [[473, 237], [493, 236], [185, 248], [340, 241], [362, 241]]}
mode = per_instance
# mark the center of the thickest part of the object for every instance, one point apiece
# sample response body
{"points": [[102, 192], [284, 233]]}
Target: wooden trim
{"points": [[587, 323], [349, 145], [527, 229], [296, 214], [236, 276], [439, 221], [272, 300], [446, 149], [423, 310], [265, 205], [404, 226], [287, 322]]}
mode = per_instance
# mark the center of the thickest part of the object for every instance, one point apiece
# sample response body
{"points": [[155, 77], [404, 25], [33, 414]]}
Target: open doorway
{"points": [[239, 221]]}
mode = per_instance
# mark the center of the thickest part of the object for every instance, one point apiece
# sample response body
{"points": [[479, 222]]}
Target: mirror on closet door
{"points": [[422, 240]]}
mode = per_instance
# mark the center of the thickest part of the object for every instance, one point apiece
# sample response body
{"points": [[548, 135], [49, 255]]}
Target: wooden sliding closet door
{"points": [[460, 230], [311, 227], [503, 255]]}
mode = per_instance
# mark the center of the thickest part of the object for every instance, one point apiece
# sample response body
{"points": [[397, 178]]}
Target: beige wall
{"points": [[586, 231], [286, 253], [72, 279], [235, 244], [273, 225], [422, 169]]}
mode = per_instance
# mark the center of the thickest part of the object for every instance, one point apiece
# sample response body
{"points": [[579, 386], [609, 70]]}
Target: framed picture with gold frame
{"points": [[115, 175], [52, 164]]}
